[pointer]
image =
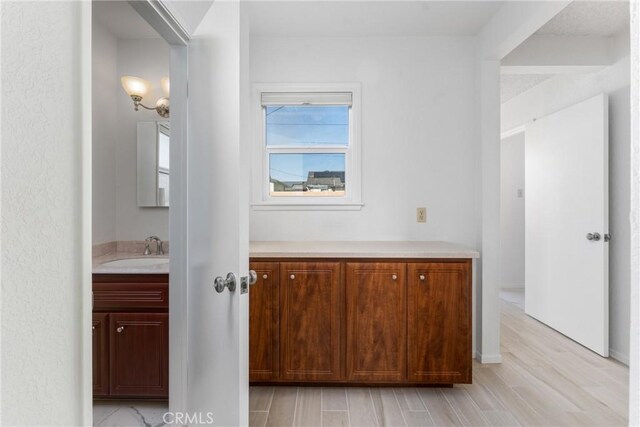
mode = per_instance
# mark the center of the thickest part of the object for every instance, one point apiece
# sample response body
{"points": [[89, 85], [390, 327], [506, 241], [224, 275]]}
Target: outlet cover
{"points": [[421, 215]]}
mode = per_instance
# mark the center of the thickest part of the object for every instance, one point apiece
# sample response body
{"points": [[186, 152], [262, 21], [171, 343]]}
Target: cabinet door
{"points": [[264, 323], [439, 322], [139, 344], [376, 321], [310, 320], [100, 354]]}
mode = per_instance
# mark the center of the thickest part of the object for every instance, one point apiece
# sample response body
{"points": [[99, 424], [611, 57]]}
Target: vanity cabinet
{"points": [[376, 321], [264, 321], [131, 336], [139, 363], [100, 353], [369, 321], [439, 323], [310, 321]]}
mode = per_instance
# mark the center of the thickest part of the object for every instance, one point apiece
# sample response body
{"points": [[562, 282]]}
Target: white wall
{"points": [[419, 135], [512, 212], [149, 59], [106, 90], [44, 245], [566, 90], [116, 213]]}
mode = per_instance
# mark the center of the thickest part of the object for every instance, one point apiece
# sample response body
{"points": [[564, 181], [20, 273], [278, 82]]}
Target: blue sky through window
{"points": [[307, 126]]}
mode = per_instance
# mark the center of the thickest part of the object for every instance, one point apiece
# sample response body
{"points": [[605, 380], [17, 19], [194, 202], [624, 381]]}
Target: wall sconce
{"points": [[137, 88]]}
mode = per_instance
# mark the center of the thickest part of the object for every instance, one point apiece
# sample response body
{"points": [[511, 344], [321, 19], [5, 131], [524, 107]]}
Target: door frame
{"points": [[161, 19]]}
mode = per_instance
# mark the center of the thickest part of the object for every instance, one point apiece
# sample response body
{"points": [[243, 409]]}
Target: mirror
{"points": [[153, 164]]}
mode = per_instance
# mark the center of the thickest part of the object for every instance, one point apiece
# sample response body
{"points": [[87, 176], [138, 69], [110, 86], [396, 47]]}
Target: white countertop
{"points": [[99, 268], [301, 249], [354, 249]]}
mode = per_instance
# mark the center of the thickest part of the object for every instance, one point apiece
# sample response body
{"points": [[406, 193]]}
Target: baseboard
{"points": [[514, 287], [622, 358], [488, 358]]}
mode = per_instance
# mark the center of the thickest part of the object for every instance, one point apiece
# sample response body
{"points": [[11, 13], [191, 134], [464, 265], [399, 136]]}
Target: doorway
{"points": [[131, 177]]}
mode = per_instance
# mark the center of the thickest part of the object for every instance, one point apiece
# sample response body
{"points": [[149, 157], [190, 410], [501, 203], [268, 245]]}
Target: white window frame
{"points": [[261, 198]]}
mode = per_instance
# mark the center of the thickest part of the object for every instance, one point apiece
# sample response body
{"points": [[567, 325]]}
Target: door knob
{"points": [[229, 282], [253, 277], [594, 236]]}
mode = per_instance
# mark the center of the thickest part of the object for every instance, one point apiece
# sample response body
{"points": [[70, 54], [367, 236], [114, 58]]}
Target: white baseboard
{"points": [[488, 358], [622, 358], [513, 287]]}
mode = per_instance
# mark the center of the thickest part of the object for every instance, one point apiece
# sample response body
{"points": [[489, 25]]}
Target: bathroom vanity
{"points": [[388, 313], [130, 325], [361, 313], [131, 335]]}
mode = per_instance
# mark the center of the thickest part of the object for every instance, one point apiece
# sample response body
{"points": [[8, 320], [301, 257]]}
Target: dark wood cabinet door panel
{"points": [[376, 321], [439, 322], [100, 354], [264, 322], [139, 345], [310, 320], [126, 292]]}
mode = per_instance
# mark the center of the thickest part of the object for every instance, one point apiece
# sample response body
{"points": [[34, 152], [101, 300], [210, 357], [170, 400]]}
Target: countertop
{"points": [[336, 249], [98, 268], [351, 249]]}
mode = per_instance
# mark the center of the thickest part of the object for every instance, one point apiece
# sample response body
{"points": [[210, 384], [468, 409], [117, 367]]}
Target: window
{"points": [[308, 148]]}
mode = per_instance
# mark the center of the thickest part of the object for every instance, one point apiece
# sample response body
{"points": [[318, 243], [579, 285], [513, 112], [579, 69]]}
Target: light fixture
{"points": [[137, 88]]}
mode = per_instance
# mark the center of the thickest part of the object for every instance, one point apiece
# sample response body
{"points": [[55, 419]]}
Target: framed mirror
{"points": [[153, 164]]}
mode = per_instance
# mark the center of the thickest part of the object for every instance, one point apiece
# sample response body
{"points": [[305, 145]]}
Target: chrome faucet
{"points": [[159, 249]]}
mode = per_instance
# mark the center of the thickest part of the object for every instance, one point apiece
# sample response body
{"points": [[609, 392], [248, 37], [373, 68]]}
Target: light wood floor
{"points": [[545, 380]]}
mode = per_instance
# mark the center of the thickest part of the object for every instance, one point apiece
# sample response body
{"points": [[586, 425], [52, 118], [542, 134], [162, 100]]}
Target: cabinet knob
{"points": [[120, 329], [265, 276], [394, 276], [422, 277], [93, 328], [293, 276]]}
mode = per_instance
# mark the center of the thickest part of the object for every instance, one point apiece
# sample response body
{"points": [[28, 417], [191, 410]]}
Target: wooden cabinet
{"points": [[264, 322], [439, 322], [310, 321], [376, 321], [100, 353], [131, 336], [361, 321], [139, 362]]}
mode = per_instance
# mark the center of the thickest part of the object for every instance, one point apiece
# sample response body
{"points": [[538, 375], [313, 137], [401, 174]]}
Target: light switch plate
{"points": [[421, 215]]}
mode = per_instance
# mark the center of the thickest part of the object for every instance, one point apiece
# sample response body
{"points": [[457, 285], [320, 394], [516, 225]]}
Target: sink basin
{"points": [[136, 262]]}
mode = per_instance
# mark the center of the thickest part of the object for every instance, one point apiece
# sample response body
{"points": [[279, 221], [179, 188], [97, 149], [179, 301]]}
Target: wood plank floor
{"points": [[546, 380]]}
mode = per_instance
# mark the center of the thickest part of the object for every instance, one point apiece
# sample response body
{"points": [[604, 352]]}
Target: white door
{"points": [[218, 226], [566, 266]]}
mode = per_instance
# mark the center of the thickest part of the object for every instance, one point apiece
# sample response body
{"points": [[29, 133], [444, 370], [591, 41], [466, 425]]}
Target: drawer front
{"points": [[130, 292]]}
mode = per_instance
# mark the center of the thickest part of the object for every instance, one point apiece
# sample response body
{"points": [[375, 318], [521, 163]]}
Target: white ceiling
{"points": [[370, 18], [120, 19], [512, 85], [579, 18], [589, 18]]}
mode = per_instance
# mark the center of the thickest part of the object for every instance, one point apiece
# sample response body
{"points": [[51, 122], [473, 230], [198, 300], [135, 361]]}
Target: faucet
{"points": [[159, 249]]}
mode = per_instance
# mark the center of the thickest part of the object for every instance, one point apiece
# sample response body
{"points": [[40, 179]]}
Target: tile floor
{"points": [[546, 380]]}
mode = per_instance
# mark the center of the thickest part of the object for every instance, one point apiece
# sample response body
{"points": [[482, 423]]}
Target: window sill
{"points": [[266, 206]]}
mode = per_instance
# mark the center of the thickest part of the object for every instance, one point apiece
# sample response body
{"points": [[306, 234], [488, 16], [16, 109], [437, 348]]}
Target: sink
{"points": [[137, 262]]}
